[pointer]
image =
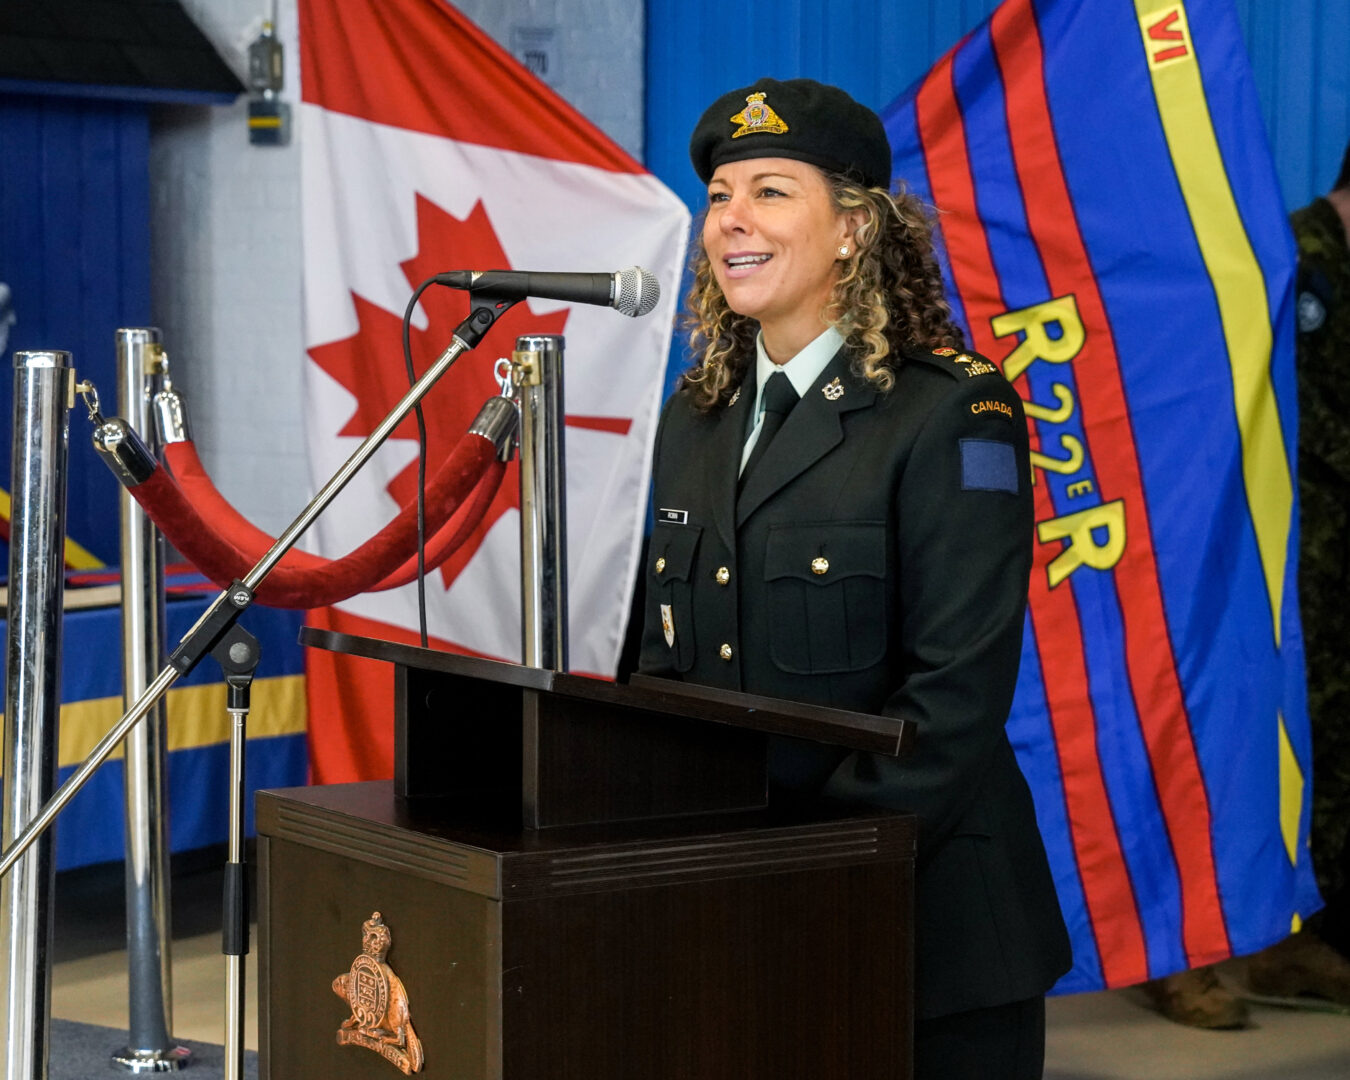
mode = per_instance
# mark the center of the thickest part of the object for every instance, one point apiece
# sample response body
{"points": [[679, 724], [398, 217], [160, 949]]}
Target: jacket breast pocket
{"points": [[826, 596], [670, 573]]}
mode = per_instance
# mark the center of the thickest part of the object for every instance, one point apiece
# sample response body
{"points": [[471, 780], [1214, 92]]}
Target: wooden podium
{"points": [[586, 881]]}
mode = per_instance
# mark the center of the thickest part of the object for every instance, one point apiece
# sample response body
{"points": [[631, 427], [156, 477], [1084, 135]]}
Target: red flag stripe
{"points": [[1106, 884], [1148, 646], [616, 425], [366, 58]]}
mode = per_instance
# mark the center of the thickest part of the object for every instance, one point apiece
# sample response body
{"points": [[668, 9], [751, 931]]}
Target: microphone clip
{"points": [[484, 311]]}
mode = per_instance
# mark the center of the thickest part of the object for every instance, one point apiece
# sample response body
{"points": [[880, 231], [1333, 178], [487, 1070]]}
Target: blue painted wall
{"points": [[75, 252], [1300, 52], [697, 49]]}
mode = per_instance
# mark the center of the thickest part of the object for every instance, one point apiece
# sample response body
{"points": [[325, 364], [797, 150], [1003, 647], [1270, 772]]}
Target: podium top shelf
{"points": [[856, 731]]}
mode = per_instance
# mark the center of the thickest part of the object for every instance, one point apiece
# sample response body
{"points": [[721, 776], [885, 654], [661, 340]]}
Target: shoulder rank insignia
{"points": [[944, 351], [757, 118], [380, 1020], [977, 365], [833, 391], [734, 398]]}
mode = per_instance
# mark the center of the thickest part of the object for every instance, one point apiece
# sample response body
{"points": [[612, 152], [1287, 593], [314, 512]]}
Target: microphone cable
{"points": [[421, 465]]}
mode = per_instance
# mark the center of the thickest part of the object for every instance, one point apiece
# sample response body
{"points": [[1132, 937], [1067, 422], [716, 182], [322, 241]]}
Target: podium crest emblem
{"points": [[380, 1019]]}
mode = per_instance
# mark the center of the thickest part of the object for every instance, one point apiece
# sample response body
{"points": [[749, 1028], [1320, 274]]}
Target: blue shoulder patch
{"points": [[988, 465]]}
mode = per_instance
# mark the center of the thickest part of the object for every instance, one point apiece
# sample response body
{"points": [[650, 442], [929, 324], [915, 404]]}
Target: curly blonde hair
{"points": [[889, 298]]}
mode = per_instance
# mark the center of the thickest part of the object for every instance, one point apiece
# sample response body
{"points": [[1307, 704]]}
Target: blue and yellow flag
{"points": [[1115, 238]]}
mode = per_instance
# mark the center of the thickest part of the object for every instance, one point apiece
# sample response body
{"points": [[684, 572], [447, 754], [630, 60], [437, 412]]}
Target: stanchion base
{"points": [[148, 1061]]}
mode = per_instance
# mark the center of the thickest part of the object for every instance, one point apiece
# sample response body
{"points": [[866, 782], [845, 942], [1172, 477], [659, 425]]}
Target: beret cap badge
{"points": [[757, 118], [808, 121]]}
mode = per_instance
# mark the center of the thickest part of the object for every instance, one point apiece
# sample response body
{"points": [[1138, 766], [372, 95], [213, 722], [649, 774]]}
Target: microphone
{"points": [[632, 292]]}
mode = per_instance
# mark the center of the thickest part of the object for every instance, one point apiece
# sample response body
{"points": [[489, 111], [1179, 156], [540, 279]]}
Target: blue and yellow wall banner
{"points": [[92, 828]]}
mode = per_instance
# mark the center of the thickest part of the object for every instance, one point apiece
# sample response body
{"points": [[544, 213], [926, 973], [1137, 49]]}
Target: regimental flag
{"points": [[426, 148], [1116, 240]]}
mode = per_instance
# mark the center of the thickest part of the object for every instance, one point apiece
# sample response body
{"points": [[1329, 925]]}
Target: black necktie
{"points": [[779, 398]]}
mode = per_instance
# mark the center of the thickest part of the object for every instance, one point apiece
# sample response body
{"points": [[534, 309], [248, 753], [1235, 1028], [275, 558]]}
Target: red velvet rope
{"points": [[229, 524], [234, 528], [308, 580], [454, 532]]}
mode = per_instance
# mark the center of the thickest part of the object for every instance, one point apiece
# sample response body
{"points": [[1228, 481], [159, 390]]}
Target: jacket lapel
{"points": [[723, 463], [810, 432]]}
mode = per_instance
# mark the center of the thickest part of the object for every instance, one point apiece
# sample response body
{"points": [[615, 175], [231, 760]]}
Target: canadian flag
{"points": [[425, 147]]}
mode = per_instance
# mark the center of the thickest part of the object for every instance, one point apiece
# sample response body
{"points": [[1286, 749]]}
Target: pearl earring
{"points": [[843, 251]]}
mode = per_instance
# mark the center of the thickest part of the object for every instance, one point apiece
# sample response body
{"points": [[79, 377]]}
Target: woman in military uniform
{"points": [[844, 518]]}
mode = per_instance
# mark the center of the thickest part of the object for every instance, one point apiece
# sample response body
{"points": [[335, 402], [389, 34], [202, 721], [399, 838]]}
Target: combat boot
{"points": [[1300, 965], [1197, 999]]}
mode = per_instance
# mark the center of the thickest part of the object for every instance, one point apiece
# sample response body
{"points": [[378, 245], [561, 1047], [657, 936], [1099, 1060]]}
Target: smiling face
{"points": [[773, 236]]}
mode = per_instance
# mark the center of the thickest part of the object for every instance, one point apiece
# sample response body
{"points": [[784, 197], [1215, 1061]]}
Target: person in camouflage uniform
{"points": [[1312, 961], [1303, 963], [1321, 229]]}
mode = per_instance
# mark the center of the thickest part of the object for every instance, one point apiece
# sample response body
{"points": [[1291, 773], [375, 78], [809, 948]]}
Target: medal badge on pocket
{"points": [[668, 625]]}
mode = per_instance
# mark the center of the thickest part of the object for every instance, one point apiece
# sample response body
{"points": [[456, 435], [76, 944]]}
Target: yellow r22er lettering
{"points": [[1083, 549], [1034, 322]]}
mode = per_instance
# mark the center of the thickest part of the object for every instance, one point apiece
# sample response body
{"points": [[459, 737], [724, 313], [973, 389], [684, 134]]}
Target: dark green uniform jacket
{"points": [[1324, 547], [878, 560]]}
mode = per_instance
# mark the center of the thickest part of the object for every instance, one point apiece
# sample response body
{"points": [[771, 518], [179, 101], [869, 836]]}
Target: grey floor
{"points": [[1107, 1036], [80, 1052], [1116, 1036]]}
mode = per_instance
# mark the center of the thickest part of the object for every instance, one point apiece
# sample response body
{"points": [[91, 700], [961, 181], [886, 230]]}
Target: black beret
{"points": [[799, 119]]}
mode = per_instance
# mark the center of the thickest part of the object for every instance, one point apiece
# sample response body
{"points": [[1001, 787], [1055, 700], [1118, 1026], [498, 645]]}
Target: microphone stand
{"points": [[217, 621]]}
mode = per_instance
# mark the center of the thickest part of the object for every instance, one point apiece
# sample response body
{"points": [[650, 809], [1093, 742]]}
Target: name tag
{"points": [[673, 517]]}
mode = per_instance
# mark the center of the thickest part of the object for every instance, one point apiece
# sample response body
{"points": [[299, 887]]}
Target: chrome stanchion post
{"points": [[124, 451], [141, 371], [538, 370], [44, 388]]}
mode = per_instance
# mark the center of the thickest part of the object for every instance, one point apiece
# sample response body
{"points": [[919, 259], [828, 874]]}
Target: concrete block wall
{"points": [[225, 233]]}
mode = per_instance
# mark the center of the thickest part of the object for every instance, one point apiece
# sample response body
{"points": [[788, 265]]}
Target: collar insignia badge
{"points": [[734, 398], [757, 118], [944, 351], [380, 1020], [834, 391]]}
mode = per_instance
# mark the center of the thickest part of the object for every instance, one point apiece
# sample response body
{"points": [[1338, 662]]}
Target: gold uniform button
{"points": [[660, 564], [725, 651], [722, 576], [819, 565]]}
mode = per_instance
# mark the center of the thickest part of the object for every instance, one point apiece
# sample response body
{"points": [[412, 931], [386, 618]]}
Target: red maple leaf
{"points": [[370, 362]]}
